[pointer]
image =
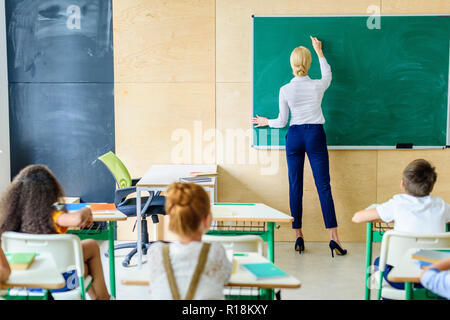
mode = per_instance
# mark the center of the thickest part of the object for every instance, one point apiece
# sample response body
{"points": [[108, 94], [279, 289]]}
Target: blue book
{"points": [[265, 270], [424, 264], [75, 206]]}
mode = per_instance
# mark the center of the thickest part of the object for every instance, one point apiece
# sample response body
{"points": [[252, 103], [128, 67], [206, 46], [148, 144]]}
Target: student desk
{"points": [[249, 212], [42, 273], [241, 278], [408, 271], [158, 178], [105, 235], [374, 233]]}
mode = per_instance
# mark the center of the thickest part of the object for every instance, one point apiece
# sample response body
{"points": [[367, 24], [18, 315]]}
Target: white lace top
{"points": [[184, 258]]}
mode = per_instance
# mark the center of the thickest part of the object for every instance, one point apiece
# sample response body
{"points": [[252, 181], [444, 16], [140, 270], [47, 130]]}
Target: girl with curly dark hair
{"points": [[27, 206]]}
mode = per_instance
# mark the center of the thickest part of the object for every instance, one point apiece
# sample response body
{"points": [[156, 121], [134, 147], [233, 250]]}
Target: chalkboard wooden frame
{"points": [[331, 147]]}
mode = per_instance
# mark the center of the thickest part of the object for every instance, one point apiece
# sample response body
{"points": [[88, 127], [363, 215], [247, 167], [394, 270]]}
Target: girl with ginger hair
{"points": [[188, 268]]}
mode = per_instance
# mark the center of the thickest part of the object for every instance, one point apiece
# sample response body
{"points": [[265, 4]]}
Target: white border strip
{"points": [[252, 142], [356, 147], [352, 147], [448, 100], [5, 161], [349, 15]]}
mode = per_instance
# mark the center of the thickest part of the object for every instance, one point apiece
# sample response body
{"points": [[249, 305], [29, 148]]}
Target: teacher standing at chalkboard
{"points": [[302, 96]]}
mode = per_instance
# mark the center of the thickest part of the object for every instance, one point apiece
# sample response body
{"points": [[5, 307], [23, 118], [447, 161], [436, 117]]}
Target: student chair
{"points": [[66, 251], [150, 206], [394, 245]]}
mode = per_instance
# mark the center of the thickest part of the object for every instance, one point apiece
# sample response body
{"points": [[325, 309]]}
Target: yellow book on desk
{"points": [[20, 260]]}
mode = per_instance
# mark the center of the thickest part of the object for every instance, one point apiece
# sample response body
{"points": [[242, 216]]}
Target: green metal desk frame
{"points": [[102, 235], [264, 294], [411, 294], [7, 296], [268, 236]]}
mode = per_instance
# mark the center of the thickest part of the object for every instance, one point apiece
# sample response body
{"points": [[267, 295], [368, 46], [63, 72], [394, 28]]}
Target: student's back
{"points": [[415, 211], [184, 258], [188, 206], [426, 214]]}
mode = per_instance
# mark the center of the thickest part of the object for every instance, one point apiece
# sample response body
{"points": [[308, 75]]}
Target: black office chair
{"points": [[150, 206]]}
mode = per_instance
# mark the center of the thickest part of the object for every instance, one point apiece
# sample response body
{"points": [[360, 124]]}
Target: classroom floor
{"points": [[322, 277]]}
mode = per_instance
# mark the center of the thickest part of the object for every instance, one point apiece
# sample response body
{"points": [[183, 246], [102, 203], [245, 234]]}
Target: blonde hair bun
{"points": [[300, 61], [187, 204]]}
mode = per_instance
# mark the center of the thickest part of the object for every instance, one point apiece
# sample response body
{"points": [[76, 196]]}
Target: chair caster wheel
{"points": [[125, 263], [106, 254]]}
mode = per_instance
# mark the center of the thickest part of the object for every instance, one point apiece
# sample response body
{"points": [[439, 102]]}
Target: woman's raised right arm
{"points": [[325, 68]]}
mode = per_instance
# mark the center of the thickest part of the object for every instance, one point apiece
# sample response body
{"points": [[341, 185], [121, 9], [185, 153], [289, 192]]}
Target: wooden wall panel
{"points": [[164, 63], [415, 6], [148, 114], [392, 163], [164, 41]]}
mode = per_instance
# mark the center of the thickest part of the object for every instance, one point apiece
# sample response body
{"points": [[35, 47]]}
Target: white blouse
{"points": [[184, 258], [303, 97], [416, 214]]}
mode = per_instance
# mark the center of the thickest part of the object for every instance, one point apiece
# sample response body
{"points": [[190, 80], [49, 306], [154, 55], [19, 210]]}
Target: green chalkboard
{"points": [[390, 85]]}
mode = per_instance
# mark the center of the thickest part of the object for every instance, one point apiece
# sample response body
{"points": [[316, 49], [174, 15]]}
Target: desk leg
{"points": [[267, 294], [271, 252], [138, 224], [271, 241], [112, 263], [369, 239], [409, 290]]}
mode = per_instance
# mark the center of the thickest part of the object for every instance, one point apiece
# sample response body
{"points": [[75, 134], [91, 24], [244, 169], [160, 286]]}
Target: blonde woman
{"points": [[188, 268], [302, 96]]}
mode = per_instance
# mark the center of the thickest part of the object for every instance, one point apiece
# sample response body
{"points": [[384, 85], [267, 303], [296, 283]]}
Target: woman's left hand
{"points": [[260, 121]]}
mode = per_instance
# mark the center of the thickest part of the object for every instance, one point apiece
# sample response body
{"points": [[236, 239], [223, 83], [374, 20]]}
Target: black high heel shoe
{"points": [[299, 245], [335, 247]]}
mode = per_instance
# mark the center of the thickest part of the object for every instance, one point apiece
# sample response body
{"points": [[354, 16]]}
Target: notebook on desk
{"points": [[103, 208], [431, 256], [75, 206], [20, 260], [195, 179], [265, 270], [222, 212], [203, 174], [96, 208]]}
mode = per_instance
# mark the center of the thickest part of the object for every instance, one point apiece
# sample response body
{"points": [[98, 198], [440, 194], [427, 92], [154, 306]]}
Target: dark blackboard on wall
{"points": [[61, 91], [390, 85]]}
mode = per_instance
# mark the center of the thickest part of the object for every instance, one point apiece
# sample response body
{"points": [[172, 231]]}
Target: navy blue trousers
{"points": [[309, 139]]}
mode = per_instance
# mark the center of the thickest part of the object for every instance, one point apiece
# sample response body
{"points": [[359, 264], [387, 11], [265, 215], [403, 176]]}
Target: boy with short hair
{"points": [[415, 211]]}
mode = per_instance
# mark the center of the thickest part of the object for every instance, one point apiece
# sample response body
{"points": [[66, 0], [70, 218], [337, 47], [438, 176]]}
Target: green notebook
{"points": [[265, 270], [20, 260]]}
